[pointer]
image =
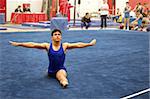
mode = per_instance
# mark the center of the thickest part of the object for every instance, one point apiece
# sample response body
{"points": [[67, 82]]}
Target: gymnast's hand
{"points": [[93, 42], [13, 43]]}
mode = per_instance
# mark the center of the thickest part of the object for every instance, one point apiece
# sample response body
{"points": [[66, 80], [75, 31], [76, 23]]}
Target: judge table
{"points": [[19, 18]]}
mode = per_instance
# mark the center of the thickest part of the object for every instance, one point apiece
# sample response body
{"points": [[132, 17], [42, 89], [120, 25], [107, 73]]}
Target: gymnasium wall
{"points": [[121, 4], [85, 6], [134, 2], [3, 11], [93, 6]]}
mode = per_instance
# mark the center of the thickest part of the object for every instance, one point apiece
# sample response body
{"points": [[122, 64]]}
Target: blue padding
{"points": [[2, 18], [3, 28], [59, 23], [41, 25], [45, 22]]}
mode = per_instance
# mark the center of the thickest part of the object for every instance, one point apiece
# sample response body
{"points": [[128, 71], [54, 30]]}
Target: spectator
{"points": [[138, 7], [103, 13], [118, 16], [18, 9], [85, 21], [145, 10], [127, 10], [27, 9], [148, 29], [137, 23], [68, 13]]}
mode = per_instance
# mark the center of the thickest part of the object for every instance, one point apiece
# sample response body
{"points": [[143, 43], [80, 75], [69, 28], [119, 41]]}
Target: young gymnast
{"points": [[56, 53]]}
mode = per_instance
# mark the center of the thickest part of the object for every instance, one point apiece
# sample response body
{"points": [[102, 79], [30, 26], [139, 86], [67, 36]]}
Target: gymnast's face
{"points": [[56, 36]]}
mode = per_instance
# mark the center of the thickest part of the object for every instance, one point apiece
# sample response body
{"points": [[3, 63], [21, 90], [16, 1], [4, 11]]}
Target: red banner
{"points": [[3, 7]]}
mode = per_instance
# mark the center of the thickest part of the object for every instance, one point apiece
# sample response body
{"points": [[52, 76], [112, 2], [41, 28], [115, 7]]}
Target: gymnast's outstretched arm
{"points": [[80, 44], [30, 44]]}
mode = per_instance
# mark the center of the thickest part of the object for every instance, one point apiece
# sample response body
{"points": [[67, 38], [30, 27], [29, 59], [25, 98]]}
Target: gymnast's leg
{"points": [[61, 75]]}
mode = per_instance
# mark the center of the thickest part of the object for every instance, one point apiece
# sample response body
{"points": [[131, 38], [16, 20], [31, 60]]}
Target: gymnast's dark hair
{"points": [[55, 30]]}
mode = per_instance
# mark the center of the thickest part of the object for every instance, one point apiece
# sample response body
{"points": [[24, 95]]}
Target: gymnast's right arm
{"points": [[30, 44]]}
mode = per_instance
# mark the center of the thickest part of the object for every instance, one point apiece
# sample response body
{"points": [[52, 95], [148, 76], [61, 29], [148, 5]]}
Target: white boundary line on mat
{"points": [[136, 94]]}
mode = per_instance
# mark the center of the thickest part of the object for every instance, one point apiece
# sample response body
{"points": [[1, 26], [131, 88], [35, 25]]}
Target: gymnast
{"points": [[56, 52]]}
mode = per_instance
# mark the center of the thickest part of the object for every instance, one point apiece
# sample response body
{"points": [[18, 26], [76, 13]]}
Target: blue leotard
{"points": [[126, 12], [140, 22], [56, 59]]}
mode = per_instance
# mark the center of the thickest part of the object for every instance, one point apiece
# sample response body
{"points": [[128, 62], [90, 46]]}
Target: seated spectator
{"points": [[145, 10], [138, 7], [85, 21], [118, 16], [147, 18], [18, 9], [144, 26], [148, 29], [26, 9], [146, 22], [137, 23]]}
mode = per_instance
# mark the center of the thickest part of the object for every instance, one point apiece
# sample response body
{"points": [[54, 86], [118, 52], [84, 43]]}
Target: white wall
{"points": [[121, 4], [12, 5], [85, 6], [93, 6]]}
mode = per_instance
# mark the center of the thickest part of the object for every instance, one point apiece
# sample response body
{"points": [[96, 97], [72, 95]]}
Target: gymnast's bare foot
{"points": [[64, 84]]}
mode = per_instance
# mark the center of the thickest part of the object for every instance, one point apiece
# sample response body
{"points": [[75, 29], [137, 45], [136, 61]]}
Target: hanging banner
{"points": [[44, 6], [3, 10], [63, 7], [53, 8], [49, 6]]}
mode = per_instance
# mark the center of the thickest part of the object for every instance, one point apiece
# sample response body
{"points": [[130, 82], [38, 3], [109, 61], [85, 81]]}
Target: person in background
{"points": [[103, 13], [18, 9], [68, 14], [148, 29], [137, 23], [138, 7], [86, 21], [27, 9], [118, 16], [145, 10], [127, 10], [146, 21]]}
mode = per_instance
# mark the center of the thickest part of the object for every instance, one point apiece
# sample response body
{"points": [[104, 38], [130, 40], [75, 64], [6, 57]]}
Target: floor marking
{"points": [[136, 94]]}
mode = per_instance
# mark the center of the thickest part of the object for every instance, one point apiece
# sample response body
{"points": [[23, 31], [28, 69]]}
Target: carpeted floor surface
{"points": [[117, 66]]}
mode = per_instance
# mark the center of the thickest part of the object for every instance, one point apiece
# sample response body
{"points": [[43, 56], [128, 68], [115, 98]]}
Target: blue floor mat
{"points": [[118, 65], [21, 27], [39, 25]]}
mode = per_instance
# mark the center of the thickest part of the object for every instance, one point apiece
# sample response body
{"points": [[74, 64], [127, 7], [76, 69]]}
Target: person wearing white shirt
{"points": [[103, 13]]}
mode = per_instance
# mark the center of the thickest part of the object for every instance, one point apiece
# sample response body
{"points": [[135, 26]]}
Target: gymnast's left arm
{"points": [[80, 44]]}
